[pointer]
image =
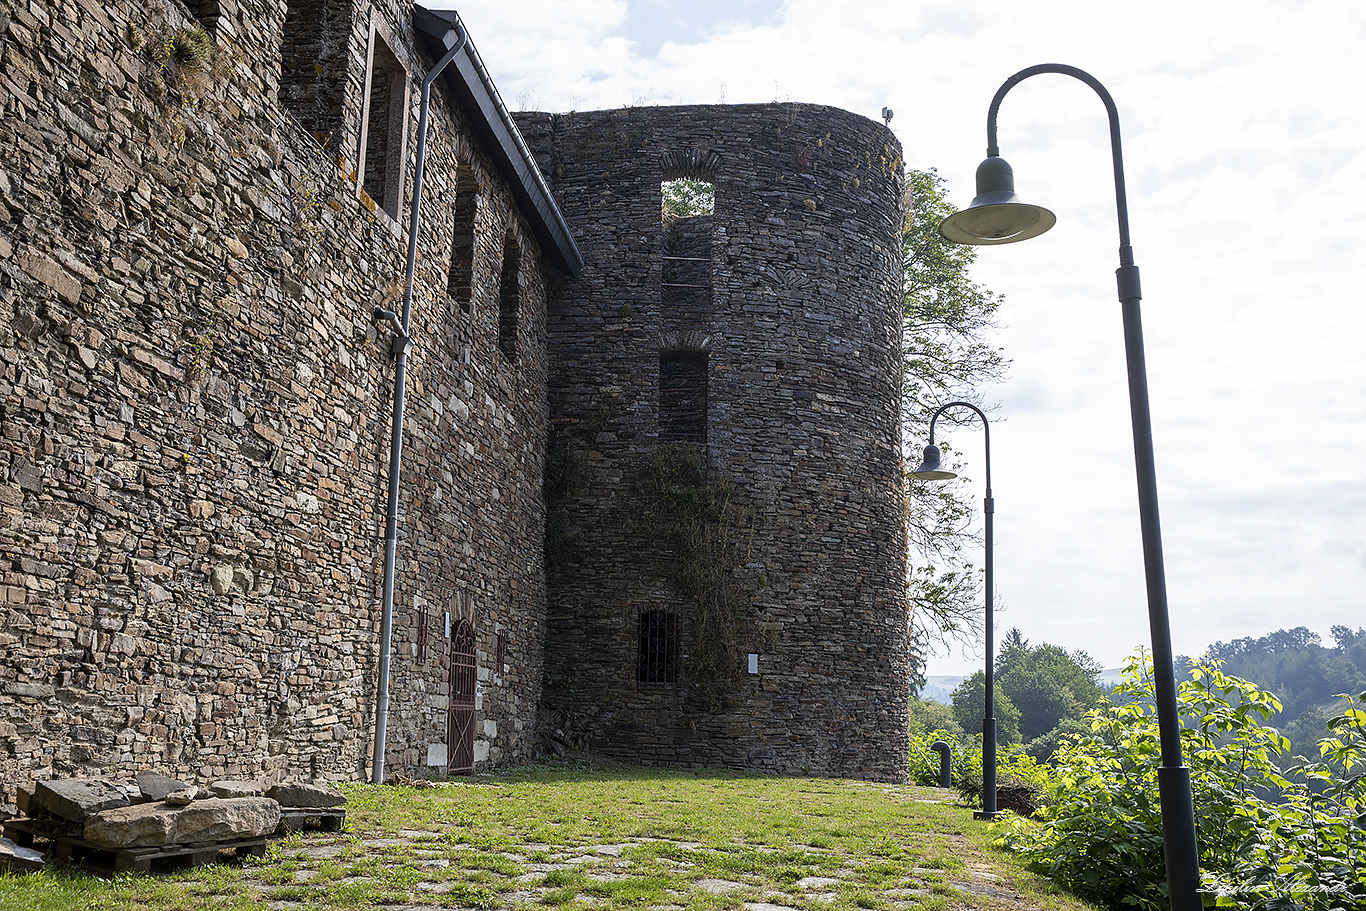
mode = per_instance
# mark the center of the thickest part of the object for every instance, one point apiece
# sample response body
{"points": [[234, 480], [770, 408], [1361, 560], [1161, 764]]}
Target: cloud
{"points": [[1242, 154]]}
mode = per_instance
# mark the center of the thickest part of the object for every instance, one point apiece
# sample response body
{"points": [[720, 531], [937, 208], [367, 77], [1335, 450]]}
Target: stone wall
{"points": [[798, 492], [195, 407]]}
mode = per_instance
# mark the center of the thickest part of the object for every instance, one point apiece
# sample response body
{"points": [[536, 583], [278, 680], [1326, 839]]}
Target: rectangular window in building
{"points": [[385, 112], [686, 224], [683, 396], [509, 295], [313, 66], [460, 273]]}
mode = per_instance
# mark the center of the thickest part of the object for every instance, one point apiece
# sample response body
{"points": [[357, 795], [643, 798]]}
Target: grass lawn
{"points": [[600, 839]]}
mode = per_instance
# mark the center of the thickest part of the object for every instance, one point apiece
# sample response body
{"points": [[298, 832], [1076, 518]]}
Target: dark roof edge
{"points": [[478, 98]]}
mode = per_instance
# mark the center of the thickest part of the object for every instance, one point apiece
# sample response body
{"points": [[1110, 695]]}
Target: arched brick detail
{"points": [[698, 163]]}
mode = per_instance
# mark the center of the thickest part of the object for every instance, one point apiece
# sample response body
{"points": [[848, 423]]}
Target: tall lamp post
{"points": [[929, 470], [997, 216]]}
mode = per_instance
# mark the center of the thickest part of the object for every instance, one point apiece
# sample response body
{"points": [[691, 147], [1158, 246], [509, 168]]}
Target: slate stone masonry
{"points": [[802, 345], [194, 409], [195, 405]]}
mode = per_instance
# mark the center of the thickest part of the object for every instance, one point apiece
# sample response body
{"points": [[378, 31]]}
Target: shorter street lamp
{"points": [[929, 470]]}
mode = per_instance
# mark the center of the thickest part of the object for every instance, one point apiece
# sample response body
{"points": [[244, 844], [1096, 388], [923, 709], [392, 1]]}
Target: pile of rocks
{"points": [[156, 812]]}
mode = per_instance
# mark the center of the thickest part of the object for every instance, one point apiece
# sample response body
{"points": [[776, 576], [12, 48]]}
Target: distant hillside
{"points": [[940, 687]]}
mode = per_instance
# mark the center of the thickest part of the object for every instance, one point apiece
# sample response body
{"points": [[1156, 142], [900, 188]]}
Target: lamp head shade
{"points": [[996, 215], [929, 469]]}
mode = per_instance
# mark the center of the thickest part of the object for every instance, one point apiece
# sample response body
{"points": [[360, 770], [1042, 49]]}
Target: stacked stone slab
{"points": [[198, 822], [801, 336], [160, 810]]}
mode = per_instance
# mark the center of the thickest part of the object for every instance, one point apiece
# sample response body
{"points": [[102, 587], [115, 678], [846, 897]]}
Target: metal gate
{"points": [[460, 715]]}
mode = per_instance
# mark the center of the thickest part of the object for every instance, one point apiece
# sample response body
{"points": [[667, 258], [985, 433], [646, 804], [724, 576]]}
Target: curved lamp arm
{"points": [[986, 428], [1121, 203]]}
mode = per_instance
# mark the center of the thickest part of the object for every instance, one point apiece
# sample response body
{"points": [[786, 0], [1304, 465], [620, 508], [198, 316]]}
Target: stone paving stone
{"points": [[816, 882], [419, 834], [605, 876], [438, 888], [717, 886], [984, 889], [332, 850]]}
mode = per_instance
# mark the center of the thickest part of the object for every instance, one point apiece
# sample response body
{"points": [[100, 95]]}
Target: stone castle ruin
{"points": [[649, 502]]}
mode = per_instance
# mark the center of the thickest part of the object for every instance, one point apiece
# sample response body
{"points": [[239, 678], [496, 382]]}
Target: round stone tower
{"points": [[726, 547]]}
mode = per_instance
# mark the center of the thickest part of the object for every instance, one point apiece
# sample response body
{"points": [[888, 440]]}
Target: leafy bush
{"points": [[1101, 835], [1021, 782]]}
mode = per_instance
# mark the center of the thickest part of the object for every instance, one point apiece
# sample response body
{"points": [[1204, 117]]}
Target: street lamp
{"points": [[929, 470], [996, 216]]}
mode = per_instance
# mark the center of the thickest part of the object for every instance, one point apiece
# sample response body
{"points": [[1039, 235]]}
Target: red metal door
{"points": [[460, 715]]}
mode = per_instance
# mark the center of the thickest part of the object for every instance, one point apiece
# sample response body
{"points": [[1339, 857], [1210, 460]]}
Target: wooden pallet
{"points": [[159, 859], [297, 819], [20, 831]]}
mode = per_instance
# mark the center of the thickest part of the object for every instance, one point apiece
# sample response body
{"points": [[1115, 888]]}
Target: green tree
{"points": [[686, 197], [969, 708], [1046, 683], [934, 718], [1305, 675], [946, 352]]}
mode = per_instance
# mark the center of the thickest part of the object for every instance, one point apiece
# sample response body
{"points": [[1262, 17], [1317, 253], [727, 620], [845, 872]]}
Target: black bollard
{"points": [[945, 774]]}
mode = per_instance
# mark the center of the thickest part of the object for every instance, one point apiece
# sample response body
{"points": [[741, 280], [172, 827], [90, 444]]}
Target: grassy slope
{"points": [[602, 839]]}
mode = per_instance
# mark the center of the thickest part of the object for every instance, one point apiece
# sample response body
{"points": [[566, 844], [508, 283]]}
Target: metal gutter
{"points": [[478, 98]]}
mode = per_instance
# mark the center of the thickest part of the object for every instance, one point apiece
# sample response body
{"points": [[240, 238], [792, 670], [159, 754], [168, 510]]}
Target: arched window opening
{"points": [[657, 657], [688, 204]]}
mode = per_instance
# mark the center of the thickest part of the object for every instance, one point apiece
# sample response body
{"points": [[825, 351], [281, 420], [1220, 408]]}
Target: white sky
{"points": [[1244, 130]]}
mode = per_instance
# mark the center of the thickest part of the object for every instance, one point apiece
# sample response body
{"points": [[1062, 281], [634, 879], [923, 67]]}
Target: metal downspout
{"points": [[402, 344]]}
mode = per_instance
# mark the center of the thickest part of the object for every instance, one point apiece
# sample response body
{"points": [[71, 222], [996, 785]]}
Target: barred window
{"points": [[683, 396], [657, 658]]}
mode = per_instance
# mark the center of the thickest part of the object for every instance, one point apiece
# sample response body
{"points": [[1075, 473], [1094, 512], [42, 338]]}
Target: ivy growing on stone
{"points": [[709, 533]]}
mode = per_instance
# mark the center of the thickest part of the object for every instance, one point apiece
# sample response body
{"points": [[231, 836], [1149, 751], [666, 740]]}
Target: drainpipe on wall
{"points": [[401, 345]]}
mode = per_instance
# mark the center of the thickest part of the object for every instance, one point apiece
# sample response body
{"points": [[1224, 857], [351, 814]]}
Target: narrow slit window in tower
{"points": [[683, 396], [509, 296]]}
